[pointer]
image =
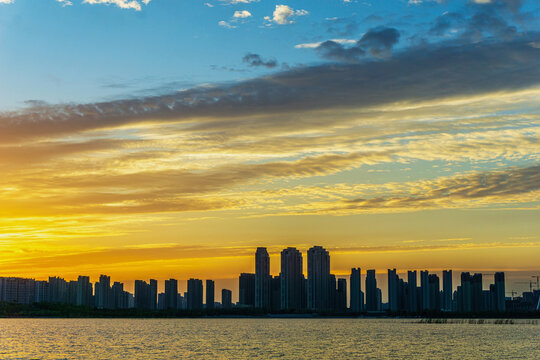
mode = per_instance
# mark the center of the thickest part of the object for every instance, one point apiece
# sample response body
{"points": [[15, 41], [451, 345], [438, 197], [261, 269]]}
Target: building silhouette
{"points": [[318, 284], [226, 299], [412, 292], [341, 295], [392, 290], [357, 296], [372, 292], [447, 290], [292, 279], [171, 294], [84, 291], [194, 294], [500, 303], [210, 286], [246, 290], [263, 279]]}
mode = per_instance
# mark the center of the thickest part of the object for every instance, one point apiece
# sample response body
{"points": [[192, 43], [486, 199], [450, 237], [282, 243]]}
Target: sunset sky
{"points": [[170, 138]]}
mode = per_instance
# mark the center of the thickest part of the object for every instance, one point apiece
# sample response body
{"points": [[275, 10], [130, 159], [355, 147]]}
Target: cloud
{"points": [[7, 1], [477, 189], [226, 24], [377, 42], [256, 60], [242, 14], [317, 44], [67, 2], [123, 4], [284, 14], [413, 75]]}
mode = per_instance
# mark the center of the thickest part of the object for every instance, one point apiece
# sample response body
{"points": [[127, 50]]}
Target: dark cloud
{"points": [[256, 60], [422, 73], [346, 26], [486, 19], [495, 186], [377, 42]]}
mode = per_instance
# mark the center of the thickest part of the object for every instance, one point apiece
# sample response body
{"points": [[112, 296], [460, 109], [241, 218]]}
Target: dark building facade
{"points": [[292, 279], [318, 291], [210, 290], [246, 290], [262, 279], [194, 294]]}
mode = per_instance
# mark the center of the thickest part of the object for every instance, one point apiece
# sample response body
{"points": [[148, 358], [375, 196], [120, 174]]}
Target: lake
{"points": [[226, 338]]}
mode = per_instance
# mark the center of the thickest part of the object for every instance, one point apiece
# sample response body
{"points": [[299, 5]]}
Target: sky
{"points": [[170, 138]]}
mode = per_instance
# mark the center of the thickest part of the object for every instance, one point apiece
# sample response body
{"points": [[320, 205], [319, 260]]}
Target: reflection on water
{"points": [[264, 339]]}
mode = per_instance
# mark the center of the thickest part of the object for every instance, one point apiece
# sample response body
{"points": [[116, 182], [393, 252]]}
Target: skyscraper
{"points": [[262, 279], [424, 286], [500, 302], [246, 289], [392, 290], [226, 299], [317, 282], [209, 294], [84, 291], [434, 293], [194, 294], [447, 290], [341, 295], [477, 302], [171, 294], [356, 291], [371, 291], [152, 294], [142, 295], [465, 294], [412, 291], [103, 293], [292, 279]]}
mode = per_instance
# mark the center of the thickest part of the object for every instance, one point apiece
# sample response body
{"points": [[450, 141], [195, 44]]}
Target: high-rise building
{"points": [[171, 294], [424, 286], [465, 304], [341, 295], [226, 299], [275, 291], [84, 291], [262, 279], [57, 290], [372, 301], [142, 295], [153, 293], [119, 296], [447, 290], [103, 293], [412, 291], [210, 286], [434, 292], [292, 279], [357, 302], [500, 302], [392, 290], [477, 300], [194, 294], [317, 281], [332, 292], [246, 290]]}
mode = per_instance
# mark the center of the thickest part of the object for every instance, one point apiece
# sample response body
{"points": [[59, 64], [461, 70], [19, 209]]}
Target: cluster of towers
{"points": [[321, 291]]}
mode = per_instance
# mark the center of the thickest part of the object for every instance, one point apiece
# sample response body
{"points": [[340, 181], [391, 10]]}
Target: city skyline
{"points": [[320, 290], [170, 138]]}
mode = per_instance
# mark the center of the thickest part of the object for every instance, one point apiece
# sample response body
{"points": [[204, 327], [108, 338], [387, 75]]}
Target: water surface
{"points": [[263, 339]]}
